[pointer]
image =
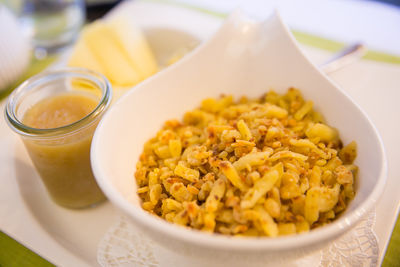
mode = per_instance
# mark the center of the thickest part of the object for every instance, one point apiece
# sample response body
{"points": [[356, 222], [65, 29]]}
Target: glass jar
{"points": [[61, 155]]}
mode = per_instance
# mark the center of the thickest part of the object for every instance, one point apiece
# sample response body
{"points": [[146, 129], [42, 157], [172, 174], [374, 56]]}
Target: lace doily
{"points": [[357, 248], [124, 246]]}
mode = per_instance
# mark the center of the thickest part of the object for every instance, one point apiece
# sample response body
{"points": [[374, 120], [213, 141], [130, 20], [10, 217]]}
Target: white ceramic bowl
{"points": [[243, 58]]}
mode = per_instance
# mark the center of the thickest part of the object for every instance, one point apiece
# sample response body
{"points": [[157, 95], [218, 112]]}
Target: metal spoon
{"points": [[343, 58]]}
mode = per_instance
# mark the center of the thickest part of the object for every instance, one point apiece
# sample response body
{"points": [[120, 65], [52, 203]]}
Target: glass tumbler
{"points": [[51, 24], [61, 155]]}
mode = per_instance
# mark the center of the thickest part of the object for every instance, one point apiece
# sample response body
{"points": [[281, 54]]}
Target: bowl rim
{"points": [[250, 244]]}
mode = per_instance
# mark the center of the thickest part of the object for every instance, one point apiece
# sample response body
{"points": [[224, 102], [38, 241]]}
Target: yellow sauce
{"points": [[63, 162], [58, 111]]}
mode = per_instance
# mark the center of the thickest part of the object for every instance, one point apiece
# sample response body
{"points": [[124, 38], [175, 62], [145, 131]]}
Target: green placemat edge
{"points": [[330, 45], [392, 257], [190, 6], [35, 67], [16, 255]]}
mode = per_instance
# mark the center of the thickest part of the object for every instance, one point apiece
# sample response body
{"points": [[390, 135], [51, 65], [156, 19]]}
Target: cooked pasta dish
{"points": [[253, 167]]}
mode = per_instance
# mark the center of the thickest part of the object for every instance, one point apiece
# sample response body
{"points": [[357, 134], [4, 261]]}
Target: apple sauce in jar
{"points": [[64, 163], [57, 131]]}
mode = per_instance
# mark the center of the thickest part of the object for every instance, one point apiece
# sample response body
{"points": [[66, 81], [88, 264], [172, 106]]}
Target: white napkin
{"points": [[14, 48]]}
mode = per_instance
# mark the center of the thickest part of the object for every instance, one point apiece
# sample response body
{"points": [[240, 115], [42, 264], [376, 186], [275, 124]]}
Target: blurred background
{"points": [[97, 8], [374, 22], [50, 26]]}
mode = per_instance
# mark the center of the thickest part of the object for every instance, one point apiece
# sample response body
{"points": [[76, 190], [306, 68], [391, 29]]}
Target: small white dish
{"points": [[243, 58]]}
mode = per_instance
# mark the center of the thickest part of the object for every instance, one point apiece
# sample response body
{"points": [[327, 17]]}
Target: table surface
{"points": [[332, 18]]}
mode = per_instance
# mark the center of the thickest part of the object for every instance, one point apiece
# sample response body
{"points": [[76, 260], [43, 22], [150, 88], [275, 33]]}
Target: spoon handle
{"points": [[343, 58]]}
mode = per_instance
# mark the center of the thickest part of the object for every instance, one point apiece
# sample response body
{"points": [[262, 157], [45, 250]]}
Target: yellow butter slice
{"points": [[83, 57], [135, 45], [102, 42]]}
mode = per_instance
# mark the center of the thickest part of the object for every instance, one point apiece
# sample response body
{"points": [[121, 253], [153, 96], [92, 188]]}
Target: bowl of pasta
{"points": [[243, 153]]}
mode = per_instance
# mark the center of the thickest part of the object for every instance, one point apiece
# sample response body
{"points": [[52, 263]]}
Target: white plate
{"points": [[70, 238]]}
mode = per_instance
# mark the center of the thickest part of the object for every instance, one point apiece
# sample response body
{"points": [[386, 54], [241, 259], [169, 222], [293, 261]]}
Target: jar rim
{"points": [[82, 73]]}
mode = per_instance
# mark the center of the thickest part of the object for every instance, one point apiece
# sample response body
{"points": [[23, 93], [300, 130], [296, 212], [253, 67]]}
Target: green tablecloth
{"points": [[14, 254], [392, 257]]}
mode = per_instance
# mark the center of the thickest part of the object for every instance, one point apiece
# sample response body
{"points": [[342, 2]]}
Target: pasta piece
{"points": [[302, 143], [260, 188], [348, 153], [180, 192], [287, 154], [276, 112], [232, 175], [306, 108], [225, 216], [302, 227], [169, 205], [215, 196], [209, 222], [251, 159], [143, 189], [162, 152], [315, 177], [323, 132], [268, 224], [244, 130], [286, 228], [175, 148], [311, 208], [189, 174], [273, 207], [320, 199], [155, 193], [343, 175]]}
